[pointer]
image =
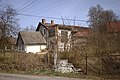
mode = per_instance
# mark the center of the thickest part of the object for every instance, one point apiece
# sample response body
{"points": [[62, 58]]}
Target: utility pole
{"points": [[86, 56], [55, 56], [58, 57], [86, 63], [55, 51], [83, 47]]}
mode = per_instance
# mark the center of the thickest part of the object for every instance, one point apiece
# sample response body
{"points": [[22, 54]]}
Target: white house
{"points": [[31, 42]]}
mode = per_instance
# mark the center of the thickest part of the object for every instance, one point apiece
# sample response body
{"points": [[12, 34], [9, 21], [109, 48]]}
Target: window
{"points": [[44, 32], [52, 32], [64, 36], [22, 47]]}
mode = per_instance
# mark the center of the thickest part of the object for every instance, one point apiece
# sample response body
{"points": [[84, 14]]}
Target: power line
{"points": [[51, 17], [35, 4], [50, 6], [27, 5], [29, 15], [23, 4], [55, 3]]}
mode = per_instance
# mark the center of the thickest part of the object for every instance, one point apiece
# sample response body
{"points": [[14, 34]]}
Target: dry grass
{"points": [[23, 61], [36, 64]]}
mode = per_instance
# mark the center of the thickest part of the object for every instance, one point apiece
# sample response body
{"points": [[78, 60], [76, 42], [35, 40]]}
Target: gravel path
{"points": [[4, 76]]}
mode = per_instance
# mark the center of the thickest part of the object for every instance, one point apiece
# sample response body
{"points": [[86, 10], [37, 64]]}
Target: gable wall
{"points": [[20, 43], [44, 31]]}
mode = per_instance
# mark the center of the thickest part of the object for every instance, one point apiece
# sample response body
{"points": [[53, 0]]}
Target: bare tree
{"points": [[8, 25], [99, 19], [102, 40], [30, 28], [9, 21]]}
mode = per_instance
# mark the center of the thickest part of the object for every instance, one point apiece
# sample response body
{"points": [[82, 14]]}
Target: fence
{"points": [[101, 65]]}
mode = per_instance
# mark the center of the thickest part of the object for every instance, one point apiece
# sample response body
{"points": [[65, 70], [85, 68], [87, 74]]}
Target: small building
{"points": [[31, 42]]}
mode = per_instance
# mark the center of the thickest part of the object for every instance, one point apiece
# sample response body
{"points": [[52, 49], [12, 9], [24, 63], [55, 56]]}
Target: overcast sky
{"points": [[77, 9]]}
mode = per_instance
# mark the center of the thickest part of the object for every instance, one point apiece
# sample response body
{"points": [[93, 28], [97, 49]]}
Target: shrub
{"points": [[23, 61]]}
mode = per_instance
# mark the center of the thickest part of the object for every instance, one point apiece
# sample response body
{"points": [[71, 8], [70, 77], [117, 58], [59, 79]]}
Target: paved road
{"points": [[4, 76]]}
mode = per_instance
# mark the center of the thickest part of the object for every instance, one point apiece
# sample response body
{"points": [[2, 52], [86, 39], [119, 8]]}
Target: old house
{"points": [[59, 36], [31, 42], [55, 34]]}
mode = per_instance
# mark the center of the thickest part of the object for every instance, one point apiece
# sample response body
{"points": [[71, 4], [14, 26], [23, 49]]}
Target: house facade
{"points": [[56, 34], [59, 36], [31, 42]]}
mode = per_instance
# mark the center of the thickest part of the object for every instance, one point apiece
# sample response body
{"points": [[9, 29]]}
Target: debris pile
{"points": [[64, 67]]}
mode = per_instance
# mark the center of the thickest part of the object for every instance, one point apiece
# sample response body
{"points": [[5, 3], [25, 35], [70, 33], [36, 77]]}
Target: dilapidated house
{"points": [[60, 36]]}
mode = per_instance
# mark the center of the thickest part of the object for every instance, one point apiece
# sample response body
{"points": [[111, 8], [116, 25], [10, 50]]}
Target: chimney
{"points": [[52, 22], [43, 21]]}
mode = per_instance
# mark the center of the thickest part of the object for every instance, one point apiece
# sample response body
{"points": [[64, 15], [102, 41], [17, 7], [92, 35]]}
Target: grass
{"points": [[9, 66]]}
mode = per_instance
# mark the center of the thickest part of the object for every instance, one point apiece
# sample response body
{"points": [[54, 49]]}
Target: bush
{"points": [[23, 61]]}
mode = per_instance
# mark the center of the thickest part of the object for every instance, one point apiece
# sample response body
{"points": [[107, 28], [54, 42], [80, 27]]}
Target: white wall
{"points": [[43, 47], [69, 33], [61, 45], [34, 48]]}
